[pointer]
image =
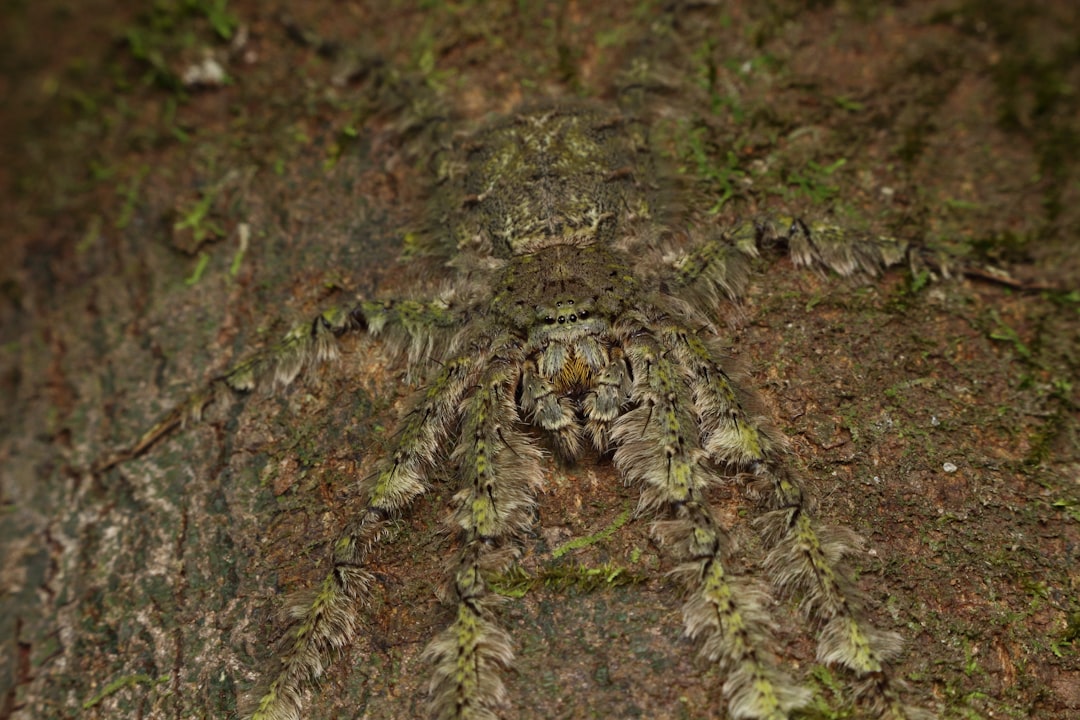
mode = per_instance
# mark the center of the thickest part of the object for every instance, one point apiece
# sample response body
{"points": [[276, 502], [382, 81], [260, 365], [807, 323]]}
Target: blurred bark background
{"points": [[182, 182]]}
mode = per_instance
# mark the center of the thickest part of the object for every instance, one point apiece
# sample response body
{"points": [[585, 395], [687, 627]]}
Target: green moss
{"points": [[563, 577], [121, 683]]}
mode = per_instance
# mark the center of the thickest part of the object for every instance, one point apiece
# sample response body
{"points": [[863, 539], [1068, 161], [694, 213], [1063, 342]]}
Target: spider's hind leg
{"points": [[422, 325], [717, 268], [305, 345], [824, 245]]}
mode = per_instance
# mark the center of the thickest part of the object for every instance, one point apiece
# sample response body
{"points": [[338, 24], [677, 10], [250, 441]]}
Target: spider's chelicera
{"points": [[577, 312]]}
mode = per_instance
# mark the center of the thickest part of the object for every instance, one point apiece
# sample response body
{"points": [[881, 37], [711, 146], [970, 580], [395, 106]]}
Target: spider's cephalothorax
{"points": [[578, 302]]}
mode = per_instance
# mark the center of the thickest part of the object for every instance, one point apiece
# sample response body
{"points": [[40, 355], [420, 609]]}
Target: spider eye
{"points": [[562, 319], [549, 320]]}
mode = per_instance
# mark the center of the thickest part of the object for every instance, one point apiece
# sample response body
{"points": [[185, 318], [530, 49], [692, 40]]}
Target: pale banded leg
{"points": [[417, 317], [422, 327], [657, 446], [313, 343], [805, 561], [305, 346], [717, 268], [551, 411], [499, 468], [325, 622], [729, 434], [714, 270], [603, 405]]}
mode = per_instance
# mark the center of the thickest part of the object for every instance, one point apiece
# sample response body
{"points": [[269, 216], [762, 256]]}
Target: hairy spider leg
{"points": [[304, 346], [657, 445], [806, 561], [498, 469], [326, 622]]}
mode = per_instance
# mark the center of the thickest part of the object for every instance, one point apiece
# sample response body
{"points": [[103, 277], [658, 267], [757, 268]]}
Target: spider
{"points": [[575, 313]]}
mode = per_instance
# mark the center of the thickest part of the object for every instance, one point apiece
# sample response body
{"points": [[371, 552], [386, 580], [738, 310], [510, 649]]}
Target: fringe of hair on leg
{"points": [[499, 469], [807, 562], [657, 446], [324, 622]]}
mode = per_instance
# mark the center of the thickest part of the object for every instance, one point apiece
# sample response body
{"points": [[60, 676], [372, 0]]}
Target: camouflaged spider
{"points": [[578, 306]]}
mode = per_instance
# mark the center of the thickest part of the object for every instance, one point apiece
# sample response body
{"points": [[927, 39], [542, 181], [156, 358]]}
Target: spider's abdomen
{"points": [[558, 175]]}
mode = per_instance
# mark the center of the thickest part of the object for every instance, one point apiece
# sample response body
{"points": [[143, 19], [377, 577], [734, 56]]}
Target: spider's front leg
{"points": [[806, 559], [498, 468], [324, 623], [658, 446]]}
